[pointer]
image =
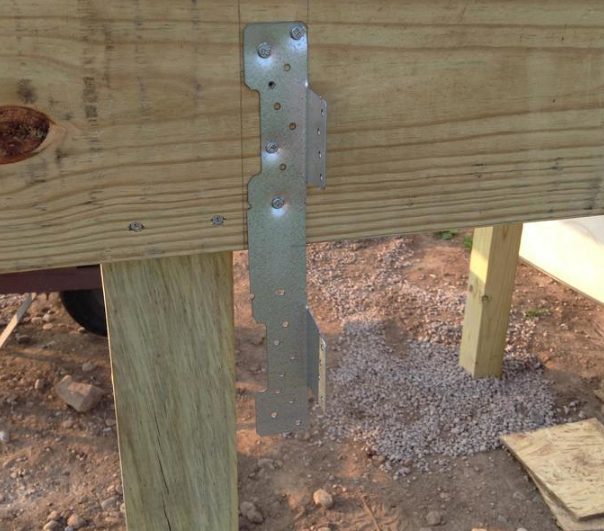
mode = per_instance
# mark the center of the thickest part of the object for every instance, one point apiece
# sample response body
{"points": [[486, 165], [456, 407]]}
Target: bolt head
{"points": [[278, 202], [217, 220], [264, 50], [136, 226], [271, 147], [297, 32]]}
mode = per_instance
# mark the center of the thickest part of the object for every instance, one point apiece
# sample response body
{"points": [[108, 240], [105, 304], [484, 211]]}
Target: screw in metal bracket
{"points": [[136, 226], [264, 50], [217, 220], [278, 202], [297, 32], [271, 147]]}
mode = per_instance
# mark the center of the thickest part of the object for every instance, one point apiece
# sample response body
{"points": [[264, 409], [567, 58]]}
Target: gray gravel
{"points": [[414, 401], [410, 401]]}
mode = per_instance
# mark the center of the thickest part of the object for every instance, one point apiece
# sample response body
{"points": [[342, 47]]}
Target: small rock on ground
{"points": [[88, 366], [434, 518], [323, 498], [80, 396], [251, 512], [23, 339], [4, 436], [53, 515], [75, 521], [266, 462], [53, 525], [109, 503]]}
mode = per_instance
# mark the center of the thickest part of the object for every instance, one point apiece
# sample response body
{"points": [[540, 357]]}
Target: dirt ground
{"points": [[60, 460]]}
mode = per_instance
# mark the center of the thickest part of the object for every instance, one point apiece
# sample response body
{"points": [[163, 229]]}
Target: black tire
{"points": [[87, 308]]}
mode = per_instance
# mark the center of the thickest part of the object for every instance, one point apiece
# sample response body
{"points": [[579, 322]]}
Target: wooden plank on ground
{"points": [[15, 319], [568, 461], [564, 518], [490, 287], [171, 336], [442, 114]]}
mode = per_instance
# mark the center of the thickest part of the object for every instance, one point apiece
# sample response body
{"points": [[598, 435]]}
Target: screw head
{"points": [[264, 50], [271, 147], [136, 226], [278, 202], [297, 32], [217, 220]]}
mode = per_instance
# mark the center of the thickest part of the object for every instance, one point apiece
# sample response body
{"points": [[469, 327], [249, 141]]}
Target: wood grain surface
{"points": [[564, 519], [490, 287], [170, 326], [442, 114], [568, 461]]}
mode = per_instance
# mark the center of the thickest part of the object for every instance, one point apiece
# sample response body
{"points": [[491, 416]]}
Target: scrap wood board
{"points": [[568, 462], [565, 520], [442, 114]]}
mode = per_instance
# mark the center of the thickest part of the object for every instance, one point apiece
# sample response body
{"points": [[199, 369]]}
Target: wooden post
{"points": [[490, 287], [170, 326]]}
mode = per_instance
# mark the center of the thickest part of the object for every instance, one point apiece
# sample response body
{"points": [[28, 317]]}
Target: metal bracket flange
{"points": [[293, 130]]}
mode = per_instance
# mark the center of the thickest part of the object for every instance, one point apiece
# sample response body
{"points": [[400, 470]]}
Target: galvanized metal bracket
{"points": [[293, 131]]}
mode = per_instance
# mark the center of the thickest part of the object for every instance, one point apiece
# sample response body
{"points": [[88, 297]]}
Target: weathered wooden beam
{"points": [[171, 335], [490, 287], [442, 113]]}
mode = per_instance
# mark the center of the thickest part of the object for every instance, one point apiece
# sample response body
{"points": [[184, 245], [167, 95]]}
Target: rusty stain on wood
{"points": [[22, 131]]}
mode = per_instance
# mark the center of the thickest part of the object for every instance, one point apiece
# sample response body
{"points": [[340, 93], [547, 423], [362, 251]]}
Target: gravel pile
{"points": [[414, 402], [367, 291], [8, 306], [411, 402]]}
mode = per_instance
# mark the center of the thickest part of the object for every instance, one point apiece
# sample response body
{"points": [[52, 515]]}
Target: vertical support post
{"points": [[170, 324], [491, 284]]}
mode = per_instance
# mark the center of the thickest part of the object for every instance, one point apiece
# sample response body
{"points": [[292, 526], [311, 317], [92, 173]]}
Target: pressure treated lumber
{"points": [[490, 287], [442, 114], [170, 326]]}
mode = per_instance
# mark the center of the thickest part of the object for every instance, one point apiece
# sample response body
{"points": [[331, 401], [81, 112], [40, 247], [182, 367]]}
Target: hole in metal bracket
{"points": [[282, 167], [287, 68], [272, 84], [292, 126], [277, 106]]}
